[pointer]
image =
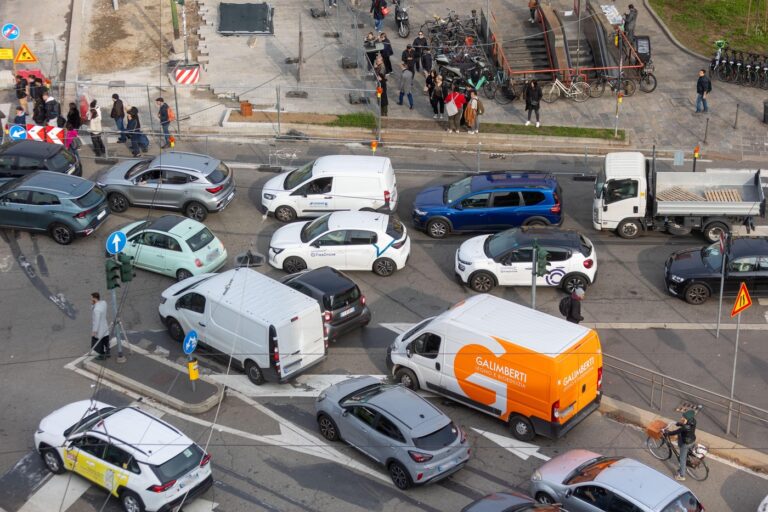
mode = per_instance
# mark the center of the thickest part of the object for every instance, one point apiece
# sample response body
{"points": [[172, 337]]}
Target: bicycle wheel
{"points": [[697, 468], [648, 82], [597, 88], [551, 93], [751, 80], [504, 95], [628, 87], [489, 89], [764, 80], [722, 73], [658, 448], [580, 91]]}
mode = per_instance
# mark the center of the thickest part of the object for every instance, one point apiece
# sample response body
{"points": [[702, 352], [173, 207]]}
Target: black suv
{"points": [[339, 297], [694, 274], [23, 157]]}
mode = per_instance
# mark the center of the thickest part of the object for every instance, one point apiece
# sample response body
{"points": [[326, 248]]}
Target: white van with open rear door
{"points": [[272, 331], [331, 184]]}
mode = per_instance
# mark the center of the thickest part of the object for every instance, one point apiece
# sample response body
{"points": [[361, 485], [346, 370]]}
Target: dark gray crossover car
{"points": [[188, 182], [19, 158], [64, 206]]}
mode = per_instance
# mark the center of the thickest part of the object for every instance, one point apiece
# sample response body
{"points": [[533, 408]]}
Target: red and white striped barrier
{"points": [[52, 134], [187, 74], [35, 132]]}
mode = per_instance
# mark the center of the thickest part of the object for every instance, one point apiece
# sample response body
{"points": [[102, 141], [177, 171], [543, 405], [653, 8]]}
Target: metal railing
{"points": [[661, 384]]}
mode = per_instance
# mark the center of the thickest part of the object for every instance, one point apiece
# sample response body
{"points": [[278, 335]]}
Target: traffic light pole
{"points": [[117, 324]]}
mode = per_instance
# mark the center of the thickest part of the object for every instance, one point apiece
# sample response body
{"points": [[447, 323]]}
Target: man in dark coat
{"points": [[118, 114], [574, 310], [165, 121], [419, 47], [703, 88]]}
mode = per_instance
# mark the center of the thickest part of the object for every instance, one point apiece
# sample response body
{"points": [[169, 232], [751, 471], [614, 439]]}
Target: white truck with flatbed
{"points": [[631, 197]]}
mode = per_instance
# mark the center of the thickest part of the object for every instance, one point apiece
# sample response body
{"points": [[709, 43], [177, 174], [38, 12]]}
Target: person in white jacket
{"points": [[94, 120], [99, 326]]}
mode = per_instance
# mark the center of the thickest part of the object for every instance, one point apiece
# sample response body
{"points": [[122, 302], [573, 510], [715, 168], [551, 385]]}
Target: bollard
{"points": [[736, 121], [706, 130]]}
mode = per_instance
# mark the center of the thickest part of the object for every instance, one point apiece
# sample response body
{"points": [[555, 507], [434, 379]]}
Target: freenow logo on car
{"points": [[578, 372]]}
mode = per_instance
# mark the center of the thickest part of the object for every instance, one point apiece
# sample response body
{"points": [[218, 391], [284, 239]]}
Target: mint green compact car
{"points": [[174, 246]]}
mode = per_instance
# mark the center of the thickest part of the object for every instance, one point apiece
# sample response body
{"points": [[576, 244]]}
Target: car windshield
{"points": [[416, 328], [87, 421], [458, 189], [342, 299], [712, 257], [219, 174], [298, 176], [599, 184], [588, 471], [315, 228], [200, 240], [92, 198], [138, 227], [137, 169], [180, 465], [498, 244], [684, 503], [61, 160], [5, 187], [365, 394], [438, 439]]}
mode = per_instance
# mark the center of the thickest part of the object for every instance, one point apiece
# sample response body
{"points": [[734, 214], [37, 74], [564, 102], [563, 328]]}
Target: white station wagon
{"points": [[506, 259], [344, 241], [139, 459]]}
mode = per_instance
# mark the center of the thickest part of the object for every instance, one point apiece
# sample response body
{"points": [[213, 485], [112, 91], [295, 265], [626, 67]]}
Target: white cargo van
{"points": [[272, 331], [332, 183], [539, 373]]}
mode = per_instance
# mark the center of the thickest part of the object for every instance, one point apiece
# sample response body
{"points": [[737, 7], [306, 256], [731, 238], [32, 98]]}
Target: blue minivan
{"points": [[491, 201]]}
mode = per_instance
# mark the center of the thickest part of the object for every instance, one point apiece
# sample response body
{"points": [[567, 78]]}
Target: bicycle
{"points": [[751, 74], [726, 69], [662, 448], [628, 87], [647, 80], [576, 90], [718, 61]]}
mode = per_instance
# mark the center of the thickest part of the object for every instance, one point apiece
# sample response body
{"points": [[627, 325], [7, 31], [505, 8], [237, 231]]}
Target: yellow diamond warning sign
{"points": [[743, 301], [25, 55]]}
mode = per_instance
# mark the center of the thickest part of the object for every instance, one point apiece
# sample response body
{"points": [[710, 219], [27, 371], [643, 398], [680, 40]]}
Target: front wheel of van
{"points": [[384, 267], [254, 373], [175, 330], [521, 428], [285, 214], [407, 378]]}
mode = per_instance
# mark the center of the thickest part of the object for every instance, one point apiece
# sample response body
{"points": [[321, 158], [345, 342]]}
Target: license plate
{"points": [[346, 312], [230, 196], [213, 255], [101, 215]]}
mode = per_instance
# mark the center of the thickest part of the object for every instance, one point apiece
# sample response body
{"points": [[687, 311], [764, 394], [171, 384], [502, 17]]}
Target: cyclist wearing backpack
{"points": [[166, 115], [686, 438], [570, 307]]}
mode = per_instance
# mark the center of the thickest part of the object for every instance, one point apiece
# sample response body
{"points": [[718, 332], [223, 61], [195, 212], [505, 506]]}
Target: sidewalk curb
{"points": [[669, 34], [725, 448], [197, 408]]}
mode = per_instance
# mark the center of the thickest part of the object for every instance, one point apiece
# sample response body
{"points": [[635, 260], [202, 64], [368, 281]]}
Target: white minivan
{"points": [[272, 331], [332, 183]]}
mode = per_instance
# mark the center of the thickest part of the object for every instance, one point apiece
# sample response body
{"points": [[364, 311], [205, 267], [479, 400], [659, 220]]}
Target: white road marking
{"points": [[520, 448], [307, 385], [398, 328], [65, 489], [6, 259]]}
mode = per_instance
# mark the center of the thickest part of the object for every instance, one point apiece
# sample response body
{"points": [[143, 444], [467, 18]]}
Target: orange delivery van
{"points": [[540, 374]]}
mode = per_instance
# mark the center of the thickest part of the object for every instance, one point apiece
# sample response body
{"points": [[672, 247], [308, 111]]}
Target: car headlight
{"points": [[269, 197], [100, 184], [419, 212], [39, 431], [676, 279], [163, 300], [536, 476], [467, 263], [321, 396], [276, 250]]}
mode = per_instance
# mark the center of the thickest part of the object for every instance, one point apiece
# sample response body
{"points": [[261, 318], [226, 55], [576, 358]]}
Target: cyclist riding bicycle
{"points": [[686, 438]]}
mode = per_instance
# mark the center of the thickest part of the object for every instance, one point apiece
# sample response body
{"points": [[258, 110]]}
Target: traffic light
{"points": [[541, 262], [126, 267], [113, 273]]}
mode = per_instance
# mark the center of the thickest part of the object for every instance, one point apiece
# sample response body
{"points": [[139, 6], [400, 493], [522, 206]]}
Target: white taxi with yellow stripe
{"points": [[144, 462]]}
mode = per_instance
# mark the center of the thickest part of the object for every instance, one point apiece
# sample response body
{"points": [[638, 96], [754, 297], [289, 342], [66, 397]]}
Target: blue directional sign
{"points": [[190, 342], [17, 132], [10, 31], [116, 242]]}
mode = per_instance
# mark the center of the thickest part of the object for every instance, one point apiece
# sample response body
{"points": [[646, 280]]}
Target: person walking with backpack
{"points": [[166, 115], [570, 306], [686, 438], [533, 94], [52, 109], [118, 114], [703, 88], [94, 119]]}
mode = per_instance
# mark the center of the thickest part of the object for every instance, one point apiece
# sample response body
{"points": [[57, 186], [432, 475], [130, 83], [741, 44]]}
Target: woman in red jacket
{"points": [[454, 107]]}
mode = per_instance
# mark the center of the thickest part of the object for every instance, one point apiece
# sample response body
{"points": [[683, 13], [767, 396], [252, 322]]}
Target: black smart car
{"points": [[694, 274], [19, 158], [342, 304]]}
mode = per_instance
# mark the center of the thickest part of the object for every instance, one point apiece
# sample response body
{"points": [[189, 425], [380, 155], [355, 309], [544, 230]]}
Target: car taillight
{"points": [[276, 356], [463, 435], [555, 412], [588, 263], [419, 457], [362, 300], [599, 378], [398, 245], [198, 263], [327, 316], [214, 190], [556, 208], [205, 460], [161, 488], [83, 214], [387, 196]]}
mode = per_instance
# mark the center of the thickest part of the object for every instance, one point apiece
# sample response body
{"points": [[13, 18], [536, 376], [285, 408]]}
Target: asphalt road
{"points": [[40, 337]]}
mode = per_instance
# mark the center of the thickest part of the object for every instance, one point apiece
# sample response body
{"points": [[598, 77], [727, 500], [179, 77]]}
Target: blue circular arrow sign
{"points": [[116, 242], [10, 31], [17, 132], [190, 342]]}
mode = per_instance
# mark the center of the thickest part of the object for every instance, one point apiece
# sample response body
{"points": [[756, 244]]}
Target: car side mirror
{"points": [[458, 206], [177, 306], [605, 207], [345, 412], [409, 351], [568, 493], [315, 244]]}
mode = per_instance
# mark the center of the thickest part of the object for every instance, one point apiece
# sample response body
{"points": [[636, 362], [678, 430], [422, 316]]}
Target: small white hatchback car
{"points": [[139, 459], [344, 241], [506, 259]]}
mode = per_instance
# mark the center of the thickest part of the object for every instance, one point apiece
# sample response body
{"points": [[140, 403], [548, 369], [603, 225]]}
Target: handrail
{"points": [[710, 397], [546, 37]]}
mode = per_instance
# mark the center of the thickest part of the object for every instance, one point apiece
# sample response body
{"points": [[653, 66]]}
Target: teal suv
{"points": [[64, 206]]}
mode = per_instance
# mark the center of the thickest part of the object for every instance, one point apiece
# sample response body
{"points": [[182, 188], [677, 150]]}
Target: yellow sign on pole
{"points": [[743, 301], [194, 370], [6, 53], [25, 55]]}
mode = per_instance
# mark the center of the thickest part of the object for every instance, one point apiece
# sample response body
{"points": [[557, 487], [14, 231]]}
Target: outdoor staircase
{"points": [[528, 54], [581, 55]]}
